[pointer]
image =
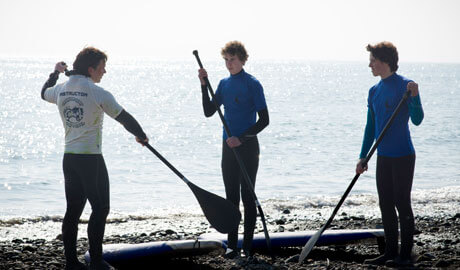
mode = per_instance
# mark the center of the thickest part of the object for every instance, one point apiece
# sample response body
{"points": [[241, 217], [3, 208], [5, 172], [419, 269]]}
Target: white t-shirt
{"points": [[82, 105]]}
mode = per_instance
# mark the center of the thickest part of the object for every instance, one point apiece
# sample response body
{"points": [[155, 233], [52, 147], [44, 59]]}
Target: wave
{"points": [[446, 198]]}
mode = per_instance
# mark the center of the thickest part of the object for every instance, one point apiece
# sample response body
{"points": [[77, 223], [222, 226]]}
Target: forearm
{"points": [[131, 125], [369, 134], [50, 82], [416, 110], [261, 123], [208, 107]]}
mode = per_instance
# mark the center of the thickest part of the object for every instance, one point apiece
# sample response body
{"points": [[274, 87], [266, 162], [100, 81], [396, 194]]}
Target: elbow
{"points": [[417, 120], [266, 122]]}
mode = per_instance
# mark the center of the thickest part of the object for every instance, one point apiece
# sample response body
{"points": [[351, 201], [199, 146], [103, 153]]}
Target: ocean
{"points": [[308, 152]]}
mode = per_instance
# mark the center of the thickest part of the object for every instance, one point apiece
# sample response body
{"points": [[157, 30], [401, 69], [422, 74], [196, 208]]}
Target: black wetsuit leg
{"points": [[394, 185], [86, 178], [234, 182]]}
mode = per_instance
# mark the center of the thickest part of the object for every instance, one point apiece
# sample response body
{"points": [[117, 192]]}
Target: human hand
{"points": [[360, 168], [143, 142], [60, 66], [202, 74], [233, 142], [413, 88]]}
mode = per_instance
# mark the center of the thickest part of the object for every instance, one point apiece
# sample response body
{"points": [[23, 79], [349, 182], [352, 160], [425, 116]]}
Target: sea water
{"points": [[308, 152]]}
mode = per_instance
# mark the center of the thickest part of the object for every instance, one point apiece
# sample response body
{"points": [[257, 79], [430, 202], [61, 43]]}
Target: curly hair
{"points": [[235, 48], [386, 52], [88, 57]]}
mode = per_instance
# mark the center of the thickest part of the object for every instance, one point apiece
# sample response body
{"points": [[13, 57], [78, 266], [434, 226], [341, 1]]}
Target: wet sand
{"points": [[437, 244]]}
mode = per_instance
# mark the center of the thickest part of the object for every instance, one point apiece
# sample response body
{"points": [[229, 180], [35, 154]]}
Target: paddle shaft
{"points": [[237, 156], [364, 163], [167, 163]]}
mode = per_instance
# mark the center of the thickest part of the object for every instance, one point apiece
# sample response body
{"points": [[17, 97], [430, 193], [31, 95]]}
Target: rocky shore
{"points": [[437, 245]]}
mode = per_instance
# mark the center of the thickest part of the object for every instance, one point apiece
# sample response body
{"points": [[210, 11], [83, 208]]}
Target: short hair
{"points": [[88, 57], [235, 48], [386, 52]]}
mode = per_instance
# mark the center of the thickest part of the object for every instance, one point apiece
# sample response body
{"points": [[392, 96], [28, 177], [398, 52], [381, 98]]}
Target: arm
{"points": [[415, 105], [208, 107], [369, 137], [369, 134], [261, 123], [59, 68], [416, 110], [131, 125]]}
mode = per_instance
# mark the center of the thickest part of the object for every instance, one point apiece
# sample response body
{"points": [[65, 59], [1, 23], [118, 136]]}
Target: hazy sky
{"points": [[423, 30]]}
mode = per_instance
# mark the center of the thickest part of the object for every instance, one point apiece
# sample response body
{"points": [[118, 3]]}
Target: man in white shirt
{"points": [[82, 105]]}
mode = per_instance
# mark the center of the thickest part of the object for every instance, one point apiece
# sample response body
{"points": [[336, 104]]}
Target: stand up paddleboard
{"points": [[299, 239], [130, 255], [150, 254]]}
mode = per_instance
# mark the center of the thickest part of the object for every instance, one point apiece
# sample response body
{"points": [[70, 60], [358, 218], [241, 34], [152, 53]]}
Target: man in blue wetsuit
{"points": [[243, 97], [395, 153]]}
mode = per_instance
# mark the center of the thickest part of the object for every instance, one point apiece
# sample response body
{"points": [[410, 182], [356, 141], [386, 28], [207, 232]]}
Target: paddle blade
{"points": [[310, 244], [223, 215]]}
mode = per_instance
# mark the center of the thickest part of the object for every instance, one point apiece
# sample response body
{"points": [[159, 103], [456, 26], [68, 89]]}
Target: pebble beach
{"points": [[437, 246]]}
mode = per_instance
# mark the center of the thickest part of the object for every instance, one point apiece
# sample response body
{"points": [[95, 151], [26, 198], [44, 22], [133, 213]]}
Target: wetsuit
{"points": [[395, 159], [242, 96], [82, 105]]}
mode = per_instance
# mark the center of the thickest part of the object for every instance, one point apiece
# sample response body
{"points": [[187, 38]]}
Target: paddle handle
{"points": [[195, 52]]}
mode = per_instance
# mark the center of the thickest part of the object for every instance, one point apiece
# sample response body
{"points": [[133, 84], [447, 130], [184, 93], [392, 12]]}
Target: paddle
{"points": [[309, 245], [223, 215], [237, 156]]}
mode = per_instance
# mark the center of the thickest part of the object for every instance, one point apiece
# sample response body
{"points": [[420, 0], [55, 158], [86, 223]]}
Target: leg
{"points": [[76, 199], [404, 174], [231, 175], [385, 191], [97, 189], [250, 157]]}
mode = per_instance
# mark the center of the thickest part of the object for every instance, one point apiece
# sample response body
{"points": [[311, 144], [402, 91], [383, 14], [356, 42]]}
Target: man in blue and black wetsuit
{"points": [[395, 153], [243, 97]]}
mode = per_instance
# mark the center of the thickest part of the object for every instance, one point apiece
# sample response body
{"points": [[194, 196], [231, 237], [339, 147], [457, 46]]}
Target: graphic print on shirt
{"points": [[73, 112]]}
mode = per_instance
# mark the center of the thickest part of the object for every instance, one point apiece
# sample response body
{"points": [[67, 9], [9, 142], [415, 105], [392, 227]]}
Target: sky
{"points": [[337, 30]]}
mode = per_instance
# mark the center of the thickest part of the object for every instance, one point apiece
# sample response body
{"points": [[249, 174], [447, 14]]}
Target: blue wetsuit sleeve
{"points": [[416, 110], [369, 134]]}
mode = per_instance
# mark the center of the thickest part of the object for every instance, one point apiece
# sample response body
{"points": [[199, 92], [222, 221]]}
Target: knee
{"points": [[105, 211], [407, 218], [249, 205], [101, 211], [74, 209]]}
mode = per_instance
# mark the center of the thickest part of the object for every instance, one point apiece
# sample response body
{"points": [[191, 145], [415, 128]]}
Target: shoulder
{"points": [[253, 81], [96, 89], [224, 80], [373, 88], [53, 91], [403, 79]]}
